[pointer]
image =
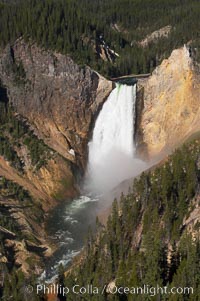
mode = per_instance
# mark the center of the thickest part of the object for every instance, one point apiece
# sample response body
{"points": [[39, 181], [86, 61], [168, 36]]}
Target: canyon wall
{"points": [[169, 102], [58, 97], [54, 105]]}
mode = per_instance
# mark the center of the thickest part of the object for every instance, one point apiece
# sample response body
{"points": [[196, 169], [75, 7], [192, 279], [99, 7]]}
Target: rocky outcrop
{"points": [[7, 233], [27, 261], [157, 34], [51, 183], [58, 98], [170, 101], [192, 221], [32, 247], [26, 245]]}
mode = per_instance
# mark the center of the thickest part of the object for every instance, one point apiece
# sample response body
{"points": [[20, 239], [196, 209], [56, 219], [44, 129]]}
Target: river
{"points": [[67, 226]]}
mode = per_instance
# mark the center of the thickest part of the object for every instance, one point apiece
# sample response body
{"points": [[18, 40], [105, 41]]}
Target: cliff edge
{"points": [[57, 99], [169, 100]]}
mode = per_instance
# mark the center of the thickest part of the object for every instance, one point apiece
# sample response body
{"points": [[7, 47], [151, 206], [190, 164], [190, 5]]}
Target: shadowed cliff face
{"points": [[170, 101], [59, 99]]}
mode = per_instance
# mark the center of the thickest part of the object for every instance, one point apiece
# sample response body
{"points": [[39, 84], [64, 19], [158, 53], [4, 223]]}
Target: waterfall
{"points": [[111, 160], [112, 148]]}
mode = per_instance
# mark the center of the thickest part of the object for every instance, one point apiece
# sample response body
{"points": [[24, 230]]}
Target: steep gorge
{"points": [[50, 107], [59, 101]]}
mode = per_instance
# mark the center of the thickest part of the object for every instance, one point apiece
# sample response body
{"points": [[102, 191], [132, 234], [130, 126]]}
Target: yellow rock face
{"points": [[171, 103], [50, 184]]}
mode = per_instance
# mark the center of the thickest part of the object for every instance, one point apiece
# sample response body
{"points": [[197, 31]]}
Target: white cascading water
{"points": [[111, 160], [112, 149]]}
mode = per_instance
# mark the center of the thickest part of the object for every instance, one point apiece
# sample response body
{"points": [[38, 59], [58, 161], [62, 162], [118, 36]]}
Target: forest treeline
{"points": [[78, 27], [145, 241]]}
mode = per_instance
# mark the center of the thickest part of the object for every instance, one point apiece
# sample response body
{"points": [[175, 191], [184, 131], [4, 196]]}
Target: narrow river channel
{"points": [[68, 226]]}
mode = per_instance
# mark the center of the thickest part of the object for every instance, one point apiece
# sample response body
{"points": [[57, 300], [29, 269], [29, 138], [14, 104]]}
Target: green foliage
{"points": [[15, 287], [134, 247], [8, 223], [19, 73], [15, 133], [14, 199], [74, 27], [38, 151], [9, 153], [9, 188]]}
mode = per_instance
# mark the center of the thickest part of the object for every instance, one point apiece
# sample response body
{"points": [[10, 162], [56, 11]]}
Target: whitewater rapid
{"points": [[112, 149], [67, 227]]}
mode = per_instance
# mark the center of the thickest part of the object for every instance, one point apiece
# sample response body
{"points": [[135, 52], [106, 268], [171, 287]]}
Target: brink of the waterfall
{"points": [[112, 148]]}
